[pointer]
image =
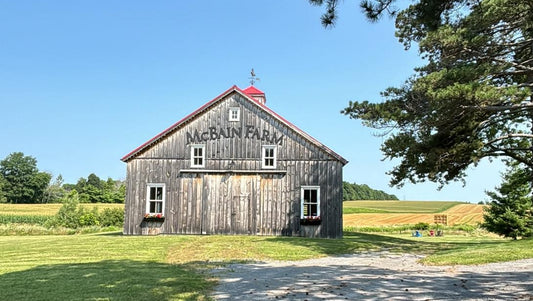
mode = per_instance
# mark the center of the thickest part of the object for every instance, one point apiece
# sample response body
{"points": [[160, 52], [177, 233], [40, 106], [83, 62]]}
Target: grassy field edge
{"points": [[176, 267]]}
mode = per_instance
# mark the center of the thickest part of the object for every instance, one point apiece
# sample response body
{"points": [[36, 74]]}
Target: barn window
{"points": [[269, 156], [156, 198], [310, 198], [234, 114], [198, 155]]}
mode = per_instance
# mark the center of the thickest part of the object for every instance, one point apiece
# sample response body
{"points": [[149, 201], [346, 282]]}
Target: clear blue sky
{"points": [[83, 83]]}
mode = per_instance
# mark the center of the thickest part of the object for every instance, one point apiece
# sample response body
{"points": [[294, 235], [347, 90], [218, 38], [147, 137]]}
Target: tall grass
{"points": [[461, 229]]}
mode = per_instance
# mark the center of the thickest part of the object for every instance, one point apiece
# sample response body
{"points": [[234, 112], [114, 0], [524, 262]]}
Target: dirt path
{"points": [[377, 276]]}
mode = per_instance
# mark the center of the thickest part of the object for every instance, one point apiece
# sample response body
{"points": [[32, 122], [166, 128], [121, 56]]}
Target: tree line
{"points": [[22, 182], [353, 191]]}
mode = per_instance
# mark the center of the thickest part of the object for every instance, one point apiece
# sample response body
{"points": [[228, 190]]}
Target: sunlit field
{"points": [[45, 209], [380, 213]]}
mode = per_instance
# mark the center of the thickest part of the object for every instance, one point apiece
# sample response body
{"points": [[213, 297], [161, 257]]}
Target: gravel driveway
{"points": [[376, 276]]}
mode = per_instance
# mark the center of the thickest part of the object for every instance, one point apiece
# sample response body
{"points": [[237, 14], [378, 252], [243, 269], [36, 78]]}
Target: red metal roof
{"points": [[247, 93], [252, 91]]}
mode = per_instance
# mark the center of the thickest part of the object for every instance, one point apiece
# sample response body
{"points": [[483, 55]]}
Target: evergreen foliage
{"points": [[472, 100], [355, 191], [510, 213]]}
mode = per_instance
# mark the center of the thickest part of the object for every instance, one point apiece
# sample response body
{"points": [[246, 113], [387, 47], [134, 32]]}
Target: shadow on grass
{"points": [[354, 242], [360, 280], [106, 280], [112, 233]]}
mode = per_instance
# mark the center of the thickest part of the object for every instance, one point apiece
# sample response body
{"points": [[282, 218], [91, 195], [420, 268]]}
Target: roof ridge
{"points": [[234, 88]]}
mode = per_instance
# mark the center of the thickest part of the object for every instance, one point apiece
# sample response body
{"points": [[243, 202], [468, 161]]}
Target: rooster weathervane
{"points": [[253, 78]]}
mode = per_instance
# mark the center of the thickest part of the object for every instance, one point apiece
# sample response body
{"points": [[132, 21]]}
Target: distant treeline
{"points": [[355, 191], [22, 182]]}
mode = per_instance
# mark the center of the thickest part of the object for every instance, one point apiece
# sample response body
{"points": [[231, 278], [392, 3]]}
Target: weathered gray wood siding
{"points": [[263, 203]]}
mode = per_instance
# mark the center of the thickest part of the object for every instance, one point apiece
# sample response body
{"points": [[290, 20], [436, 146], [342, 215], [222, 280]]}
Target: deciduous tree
{"points": [[3, 198], [55, 191], [23, 183]]}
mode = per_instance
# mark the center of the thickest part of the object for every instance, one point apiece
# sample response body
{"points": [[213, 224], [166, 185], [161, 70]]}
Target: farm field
{"points": [[397, 206], [45, 209], [386, 213]]}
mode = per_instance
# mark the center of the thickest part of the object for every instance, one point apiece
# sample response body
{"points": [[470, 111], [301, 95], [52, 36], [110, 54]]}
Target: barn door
{"points": [[188, 213], [229, 204], [243, 208]]}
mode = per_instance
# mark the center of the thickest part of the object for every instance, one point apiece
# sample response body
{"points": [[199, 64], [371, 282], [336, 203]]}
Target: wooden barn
{"points": [[234, 167]]}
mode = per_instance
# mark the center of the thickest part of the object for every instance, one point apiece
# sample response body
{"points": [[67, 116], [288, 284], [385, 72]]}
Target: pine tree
{"points": [[510, 211]]}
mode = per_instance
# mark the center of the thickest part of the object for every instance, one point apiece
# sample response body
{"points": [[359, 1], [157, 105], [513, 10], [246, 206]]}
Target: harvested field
{"points": [[400, 206], [46, 209], [458, 214]]}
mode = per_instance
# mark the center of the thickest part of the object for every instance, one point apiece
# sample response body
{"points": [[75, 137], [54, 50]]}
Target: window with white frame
{"points": [[197, 155], [155, 197], [269, 156], [310, 199], [234, 114]]}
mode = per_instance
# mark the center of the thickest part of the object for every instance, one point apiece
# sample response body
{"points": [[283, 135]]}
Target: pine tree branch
{"points": [[509, 136]]}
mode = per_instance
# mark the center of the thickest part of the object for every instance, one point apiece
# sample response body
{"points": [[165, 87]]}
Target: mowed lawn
{"points": [[110, 266], [116, 267], [386, 213]]}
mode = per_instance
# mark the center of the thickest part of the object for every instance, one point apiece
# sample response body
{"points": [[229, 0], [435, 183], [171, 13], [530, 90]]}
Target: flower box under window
{"points": [[310, 220], [150, 217]]}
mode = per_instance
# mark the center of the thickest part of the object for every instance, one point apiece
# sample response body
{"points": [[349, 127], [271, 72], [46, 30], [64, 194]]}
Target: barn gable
{"points": [[234, 167], [214, 126]]}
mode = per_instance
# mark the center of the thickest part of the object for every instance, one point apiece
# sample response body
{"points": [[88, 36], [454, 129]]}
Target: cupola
{"points": [[256, 94]]}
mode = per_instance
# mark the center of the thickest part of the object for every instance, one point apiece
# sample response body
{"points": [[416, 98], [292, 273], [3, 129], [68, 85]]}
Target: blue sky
{"points": [[83, 83]]}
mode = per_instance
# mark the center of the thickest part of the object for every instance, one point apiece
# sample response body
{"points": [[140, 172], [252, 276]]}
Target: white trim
{"points": [[263, 157], [164, 192], [302, 188], [202, 157], [231, 116], [234, 171]]}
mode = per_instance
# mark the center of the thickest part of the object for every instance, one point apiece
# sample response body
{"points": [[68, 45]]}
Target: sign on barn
{"points": [[234, 166]]}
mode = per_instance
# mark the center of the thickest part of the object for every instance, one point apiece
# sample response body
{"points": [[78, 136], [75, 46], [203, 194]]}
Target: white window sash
{"points": [[194, 157], [302, 202], [234, 114], [274, 156], [149, 200]]}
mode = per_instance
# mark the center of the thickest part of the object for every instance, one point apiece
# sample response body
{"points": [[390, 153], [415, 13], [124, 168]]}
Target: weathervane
{"points": [[253, 78]]}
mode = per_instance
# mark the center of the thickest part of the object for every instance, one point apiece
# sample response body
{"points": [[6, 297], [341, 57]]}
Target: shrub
{"points": [[112, 217], [72, 215], [68, 214], [421, 226], [87, 218]]}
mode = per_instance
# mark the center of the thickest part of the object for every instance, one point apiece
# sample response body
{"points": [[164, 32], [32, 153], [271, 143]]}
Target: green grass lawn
{"points": [[116, 267], [350, 207]]}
